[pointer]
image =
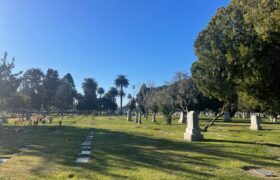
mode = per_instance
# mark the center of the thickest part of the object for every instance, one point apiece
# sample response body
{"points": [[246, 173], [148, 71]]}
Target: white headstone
{"points": [[255, 123], [129, 115], [193, 131], [82, 160], [182, 118], [227, 117]]}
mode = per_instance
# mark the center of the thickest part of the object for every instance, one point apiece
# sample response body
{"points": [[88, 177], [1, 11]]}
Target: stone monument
{"points": [[255, 122], [129, 115], [182, 118], [192, 131], [227, 117]]}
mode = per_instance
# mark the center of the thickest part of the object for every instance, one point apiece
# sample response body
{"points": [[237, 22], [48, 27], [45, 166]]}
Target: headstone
{"points": [[263, 173], [192, 131], [85, 153], [129, 115], [227, 117], [82, 160], [139, 119], [182, 118], [86, 148], [90, 137], [3, 160], [87, 143], [255, 123]]}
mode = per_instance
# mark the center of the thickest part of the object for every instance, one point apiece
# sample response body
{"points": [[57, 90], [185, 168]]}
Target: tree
{"points": [[187, 94], [32, 82], [142, 99], [129, 97], [70, 81], [238, 54], [100, 91], [64, 97], [121, 82], [90, 87], [153, 104], [112, 94], [50, 84], [166, 102], [9, 82]]}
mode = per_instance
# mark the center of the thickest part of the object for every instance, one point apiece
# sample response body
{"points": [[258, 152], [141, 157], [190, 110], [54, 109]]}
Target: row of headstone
{"points": [[84, 156], [193, 132], [138, 117]]}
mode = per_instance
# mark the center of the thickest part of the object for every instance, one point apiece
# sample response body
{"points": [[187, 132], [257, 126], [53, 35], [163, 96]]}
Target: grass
{"points": [[123, 150]]}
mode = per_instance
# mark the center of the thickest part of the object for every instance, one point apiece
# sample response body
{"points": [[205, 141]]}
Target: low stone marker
{"points": [[263, 173], [86, 153], [182, 118], [84, 156], [82, 159], [192, 131], [86, 148], [227, 117], [4, 160], [255, 123]]}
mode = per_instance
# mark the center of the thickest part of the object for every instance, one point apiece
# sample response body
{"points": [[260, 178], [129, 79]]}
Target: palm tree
{"points": [[121, 82], [112, 93], [89, 87], [100, 91]]}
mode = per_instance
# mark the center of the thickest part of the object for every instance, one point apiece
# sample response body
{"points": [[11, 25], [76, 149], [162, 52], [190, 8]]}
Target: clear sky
{"points": [[147, 40]]}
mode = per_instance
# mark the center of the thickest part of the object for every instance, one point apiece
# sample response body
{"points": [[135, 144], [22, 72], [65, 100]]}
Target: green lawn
{"points": [[149, 151]]}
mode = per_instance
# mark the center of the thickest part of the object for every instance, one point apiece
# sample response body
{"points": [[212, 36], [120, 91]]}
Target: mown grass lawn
{"points": [[122, 150]]}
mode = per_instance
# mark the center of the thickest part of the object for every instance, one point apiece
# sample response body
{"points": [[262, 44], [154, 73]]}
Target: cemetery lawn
{"points": [[122, 150]]}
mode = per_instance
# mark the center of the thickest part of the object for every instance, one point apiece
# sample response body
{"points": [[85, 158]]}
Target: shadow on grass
{"points": [[115, 152], [242, 142]]}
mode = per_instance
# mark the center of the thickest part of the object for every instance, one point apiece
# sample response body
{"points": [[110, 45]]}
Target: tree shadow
{"points": [[129, 152]]}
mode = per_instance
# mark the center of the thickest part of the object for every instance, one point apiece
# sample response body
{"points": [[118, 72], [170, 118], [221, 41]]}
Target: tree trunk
{"points": [[147, 116], [169, 119], [212, 122], [136, 117], [154, 118], [139, 118]]}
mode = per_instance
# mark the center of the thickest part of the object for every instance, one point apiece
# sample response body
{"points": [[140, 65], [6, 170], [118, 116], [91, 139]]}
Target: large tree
{"points": [[70, 81], [9, 81], [32, 85], [64, 96], [121, 82], [239, 54], [50, 84], [90, 87]]}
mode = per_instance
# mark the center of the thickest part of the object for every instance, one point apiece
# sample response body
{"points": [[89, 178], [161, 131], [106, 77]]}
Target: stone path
{"points": [[84, 156]]}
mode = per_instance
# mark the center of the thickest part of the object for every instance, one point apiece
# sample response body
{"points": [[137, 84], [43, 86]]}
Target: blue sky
{"points": [[147, 40]]}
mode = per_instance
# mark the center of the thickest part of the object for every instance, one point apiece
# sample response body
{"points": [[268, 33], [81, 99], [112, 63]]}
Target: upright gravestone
{"points": [[129, 115], [255, 122], [182, 118], [227, 117], [192, 131]]}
